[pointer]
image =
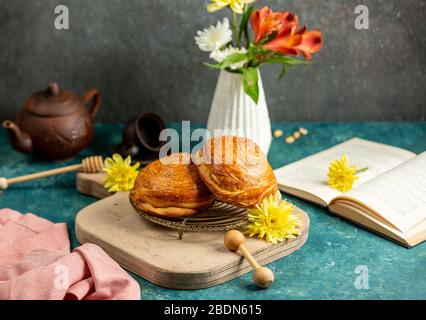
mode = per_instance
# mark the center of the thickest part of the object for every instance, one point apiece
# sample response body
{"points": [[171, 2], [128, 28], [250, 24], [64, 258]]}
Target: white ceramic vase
{"points": [[235, 113]]}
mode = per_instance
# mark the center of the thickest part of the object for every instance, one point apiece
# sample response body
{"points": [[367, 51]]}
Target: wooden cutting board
{"points": [[155, 253]]}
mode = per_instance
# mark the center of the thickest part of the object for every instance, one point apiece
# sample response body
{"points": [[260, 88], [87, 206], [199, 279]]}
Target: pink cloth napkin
{"points": [[36, 263]]}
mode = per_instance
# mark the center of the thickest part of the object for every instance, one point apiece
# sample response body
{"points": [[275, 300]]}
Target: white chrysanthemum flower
{"points": [[220, 55], [214, 37]]}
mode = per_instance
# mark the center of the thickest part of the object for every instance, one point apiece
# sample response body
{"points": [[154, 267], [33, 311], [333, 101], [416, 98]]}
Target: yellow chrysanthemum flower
{"points": [[236, 5], [121, 175], [273, 220], [341, 175]]}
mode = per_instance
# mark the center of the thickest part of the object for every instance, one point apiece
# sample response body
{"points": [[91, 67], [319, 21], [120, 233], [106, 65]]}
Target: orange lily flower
{"points": [[265, 22], [292, 42]]}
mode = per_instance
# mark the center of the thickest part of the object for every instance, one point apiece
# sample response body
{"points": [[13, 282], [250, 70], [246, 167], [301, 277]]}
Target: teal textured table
{"points": [[325, 268]]}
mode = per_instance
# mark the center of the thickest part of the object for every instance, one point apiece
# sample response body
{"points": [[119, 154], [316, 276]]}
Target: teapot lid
{"points": [[52, 102]]}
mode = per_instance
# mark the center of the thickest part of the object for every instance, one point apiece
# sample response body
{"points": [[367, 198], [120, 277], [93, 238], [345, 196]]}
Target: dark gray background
{"points": [[142, 56]]}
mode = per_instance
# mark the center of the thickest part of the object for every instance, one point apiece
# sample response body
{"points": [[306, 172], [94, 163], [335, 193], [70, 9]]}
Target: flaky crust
{"points": [[171, 187], [235, 170]]}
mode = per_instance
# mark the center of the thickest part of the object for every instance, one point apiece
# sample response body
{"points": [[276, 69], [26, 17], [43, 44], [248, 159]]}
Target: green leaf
{"points": [[213, 66], [230, 60], [283, 71], [295, 62], [285, 59], [233, 58], [254, 50], [244, 23], [246, 16], [251, 85]]}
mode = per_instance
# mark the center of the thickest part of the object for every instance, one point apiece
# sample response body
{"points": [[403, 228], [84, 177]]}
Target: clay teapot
{"points": [[54, 124]]}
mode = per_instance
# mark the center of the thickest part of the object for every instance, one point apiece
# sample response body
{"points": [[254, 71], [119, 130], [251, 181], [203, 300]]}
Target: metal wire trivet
{"points": [[220, 216]]}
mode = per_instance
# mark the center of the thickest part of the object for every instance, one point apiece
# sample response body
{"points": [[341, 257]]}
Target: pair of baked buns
{"points": [[171, 187], [229, 168]]}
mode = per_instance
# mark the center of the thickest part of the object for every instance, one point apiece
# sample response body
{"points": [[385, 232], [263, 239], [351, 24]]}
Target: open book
{"points": [[389, 198]]}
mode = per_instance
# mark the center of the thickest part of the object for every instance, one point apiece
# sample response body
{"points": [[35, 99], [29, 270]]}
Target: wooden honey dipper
{"points": [[262, 276], [88, 165]]}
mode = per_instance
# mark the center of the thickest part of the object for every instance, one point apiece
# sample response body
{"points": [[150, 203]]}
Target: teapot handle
{"points": [[96, 96]]}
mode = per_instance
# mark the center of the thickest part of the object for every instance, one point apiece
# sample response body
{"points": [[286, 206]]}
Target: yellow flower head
{"points": [[273, 220], [121, 175], [236, 5], [341, 175]]}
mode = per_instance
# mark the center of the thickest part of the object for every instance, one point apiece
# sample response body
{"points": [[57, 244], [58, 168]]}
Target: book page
{"points": [[310, 174], [398, 195]]}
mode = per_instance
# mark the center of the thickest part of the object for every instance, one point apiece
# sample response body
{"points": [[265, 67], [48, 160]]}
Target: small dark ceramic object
{"points": [[141, 138], [54, 124]]}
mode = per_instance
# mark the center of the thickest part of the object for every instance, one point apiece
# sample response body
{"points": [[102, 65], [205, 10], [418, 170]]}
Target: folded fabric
{"points": [[36, 263]]}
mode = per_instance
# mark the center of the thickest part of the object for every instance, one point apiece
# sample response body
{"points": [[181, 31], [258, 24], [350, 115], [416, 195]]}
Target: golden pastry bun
{"points": [[171, 187], [235, 170]]}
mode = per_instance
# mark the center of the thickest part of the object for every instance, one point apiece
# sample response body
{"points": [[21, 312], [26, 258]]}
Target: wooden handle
{"points": [[3, 184], [249, 257], [262, 276], [89, 165], [38, 175]]}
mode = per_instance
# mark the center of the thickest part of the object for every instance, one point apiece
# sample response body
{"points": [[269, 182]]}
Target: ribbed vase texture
{"points": [[235, 113]]}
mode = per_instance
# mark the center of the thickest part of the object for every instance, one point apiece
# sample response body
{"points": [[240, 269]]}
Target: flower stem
{"points": [[361, 170], [246, 33], [235, 25]]}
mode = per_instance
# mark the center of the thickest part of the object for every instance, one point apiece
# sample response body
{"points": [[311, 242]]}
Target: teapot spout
{"points": [[19, 139]]}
